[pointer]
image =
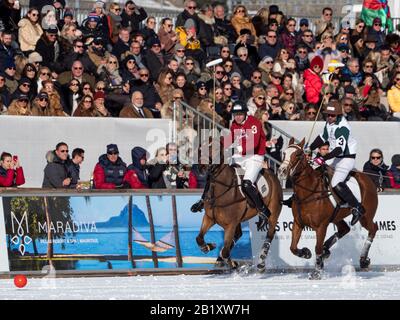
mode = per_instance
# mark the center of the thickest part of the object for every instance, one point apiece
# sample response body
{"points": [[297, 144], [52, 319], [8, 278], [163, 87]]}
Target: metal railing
{"points": [[185, 116]]}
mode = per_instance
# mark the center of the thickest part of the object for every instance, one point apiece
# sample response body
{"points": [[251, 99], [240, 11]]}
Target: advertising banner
{"points": [[385, 249], [93, 233]]}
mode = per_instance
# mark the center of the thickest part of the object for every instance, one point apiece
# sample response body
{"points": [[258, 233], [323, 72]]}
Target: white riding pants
{"points": [[251, 165], [342, 166]]}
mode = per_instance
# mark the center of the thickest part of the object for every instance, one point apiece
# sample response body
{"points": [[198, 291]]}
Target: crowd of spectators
{"points": [[53, 66], [119, 63]]}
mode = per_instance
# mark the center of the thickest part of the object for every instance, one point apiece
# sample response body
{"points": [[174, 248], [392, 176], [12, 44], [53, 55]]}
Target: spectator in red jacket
{"points": [[137, 175], [11, 172], [394, 172], [110, 171], [312, 80]]}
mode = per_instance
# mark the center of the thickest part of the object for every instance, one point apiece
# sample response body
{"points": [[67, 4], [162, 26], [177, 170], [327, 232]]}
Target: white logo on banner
{"points": [[20, 239]]}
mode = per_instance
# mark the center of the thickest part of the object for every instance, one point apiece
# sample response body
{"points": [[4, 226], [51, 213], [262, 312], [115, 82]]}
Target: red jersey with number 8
{"points": [[249, 135]]}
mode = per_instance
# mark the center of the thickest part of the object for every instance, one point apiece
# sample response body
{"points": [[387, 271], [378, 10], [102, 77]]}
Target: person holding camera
{"points": [[11, 172]]}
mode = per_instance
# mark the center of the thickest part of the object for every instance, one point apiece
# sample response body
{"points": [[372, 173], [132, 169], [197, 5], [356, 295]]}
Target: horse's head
{"points": [[292, 157]]}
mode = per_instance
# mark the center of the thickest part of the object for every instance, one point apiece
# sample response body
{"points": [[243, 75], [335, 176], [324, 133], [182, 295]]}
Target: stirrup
{"points": [[198, 206], [357, 212]]}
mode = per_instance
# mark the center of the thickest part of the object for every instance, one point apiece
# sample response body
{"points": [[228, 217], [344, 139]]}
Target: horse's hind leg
{"points": [[205, 226], [343, 229], [372, 228]]}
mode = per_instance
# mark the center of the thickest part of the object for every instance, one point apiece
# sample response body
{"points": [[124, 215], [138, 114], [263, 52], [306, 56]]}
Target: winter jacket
{"points": [[189, 44], [11, 178], [137, 175], [197, 177], [185, 15], [289, 42], [9, 16], [267, 50], [73, 173], [206, 31], [120, 48], [55, 172], [393, 96], [28, 34], [394, 177], [240, 23], [312, 86], [108, 175], [378, 174], [132, 22], [49, 52], [224, 28], [165, 39]]}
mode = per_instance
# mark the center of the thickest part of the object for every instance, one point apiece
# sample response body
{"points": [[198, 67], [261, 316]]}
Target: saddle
{"points": [[350, 181]]}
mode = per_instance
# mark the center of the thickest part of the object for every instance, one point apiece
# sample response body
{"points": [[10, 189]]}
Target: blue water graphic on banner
{"points": [[91, 233]]}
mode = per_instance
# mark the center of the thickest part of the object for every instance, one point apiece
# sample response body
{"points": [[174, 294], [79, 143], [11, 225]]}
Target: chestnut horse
{"points": [[311, 207], [226, 206]]}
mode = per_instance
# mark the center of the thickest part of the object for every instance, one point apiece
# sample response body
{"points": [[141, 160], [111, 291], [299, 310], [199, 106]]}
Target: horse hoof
{"points": [[315, 275], [234, 264], [208, 247], [220, 264], [261, 267], [364, 263], [305, 253], [326, 254]]}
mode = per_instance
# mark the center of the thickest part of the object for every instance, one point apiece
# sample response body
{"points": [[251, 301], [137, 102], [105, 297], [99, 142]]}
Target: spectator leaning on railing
{"points": [[56, 171]]}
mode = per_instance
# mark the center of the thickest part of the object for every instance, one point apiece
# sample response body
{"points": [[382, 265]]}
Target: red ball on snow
{"points": [[20, 281]]}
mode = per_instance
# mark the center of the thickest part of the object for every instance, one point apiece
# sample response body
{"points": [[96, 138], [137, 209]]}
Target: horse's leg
{"points": [[236, 237], [267, 244], [343, 229], [225, 253], [319, 260], [205, 226], [296, 233], [372, 227]]}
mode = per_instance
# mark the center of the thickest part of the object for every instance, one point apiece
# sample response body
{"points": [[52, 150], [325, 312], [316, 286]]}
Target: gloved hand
{"points": [[319, 161]]}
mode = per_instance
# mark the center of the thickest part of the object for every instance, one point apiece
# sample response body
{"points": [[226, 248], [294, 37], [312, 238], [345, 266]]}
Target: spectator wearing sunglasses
{"points": [[110, 171], [167, 36], [46, 47], [20, 106], [188, 13], [9, 75], [132, 16], [41, 105], [114, 21], [377, 32], [377, 169], [223, 25], [271, 46], [24, 88], [56, 171], [77, 72], [29, 31]]}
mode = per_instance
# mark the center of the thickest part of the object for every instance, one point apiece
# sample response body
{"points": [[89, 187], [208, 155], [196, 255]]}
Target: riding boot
{"points": [[199, 205], [288, 202], [254, 196], [344, 192]]}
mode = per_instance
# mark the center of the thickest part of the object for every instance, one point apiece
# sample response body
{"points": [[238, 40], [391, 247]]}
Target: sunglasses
{"points": [[397, 79], [254, 77], [87, 101], [348, 104], [228, 89], [228, 66], [43, 99], [74, 84], [289, 93], [261, 98], [113, 153], [144, 74], [376, 158], [225, 51], [80, 47], [378, 24], [78, 68], [269, 62], [202, 88], [34, 14], [308, 35], [112, 62], [194, 7], [23, 101], [311, 113], [180, 50], [240, 11], [189, 63], [331, 115], [87, 88], [271, 36], [30, 70], [117, 9], [291, 25], [220, 72], [302, 52], [64, 151], [177, 98], [100, 88], [26, 85], [169, 25], [369, 66], [11, 68]]}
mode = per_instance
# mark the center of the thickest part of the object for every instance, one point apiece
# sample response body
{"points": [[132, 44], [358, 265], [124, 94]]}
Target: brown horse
{"points": [[226, 206], [311, 207]]}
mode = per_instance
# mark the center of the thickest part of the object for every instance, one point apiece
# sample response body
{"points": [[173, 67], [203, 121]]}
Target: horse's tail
{"points": [[369, 193]]}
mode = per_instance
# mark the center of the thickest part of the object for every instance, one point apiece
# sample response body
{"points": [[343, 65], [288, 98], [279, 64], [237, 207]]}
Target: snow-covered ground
{"points": [[345, 285]]}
